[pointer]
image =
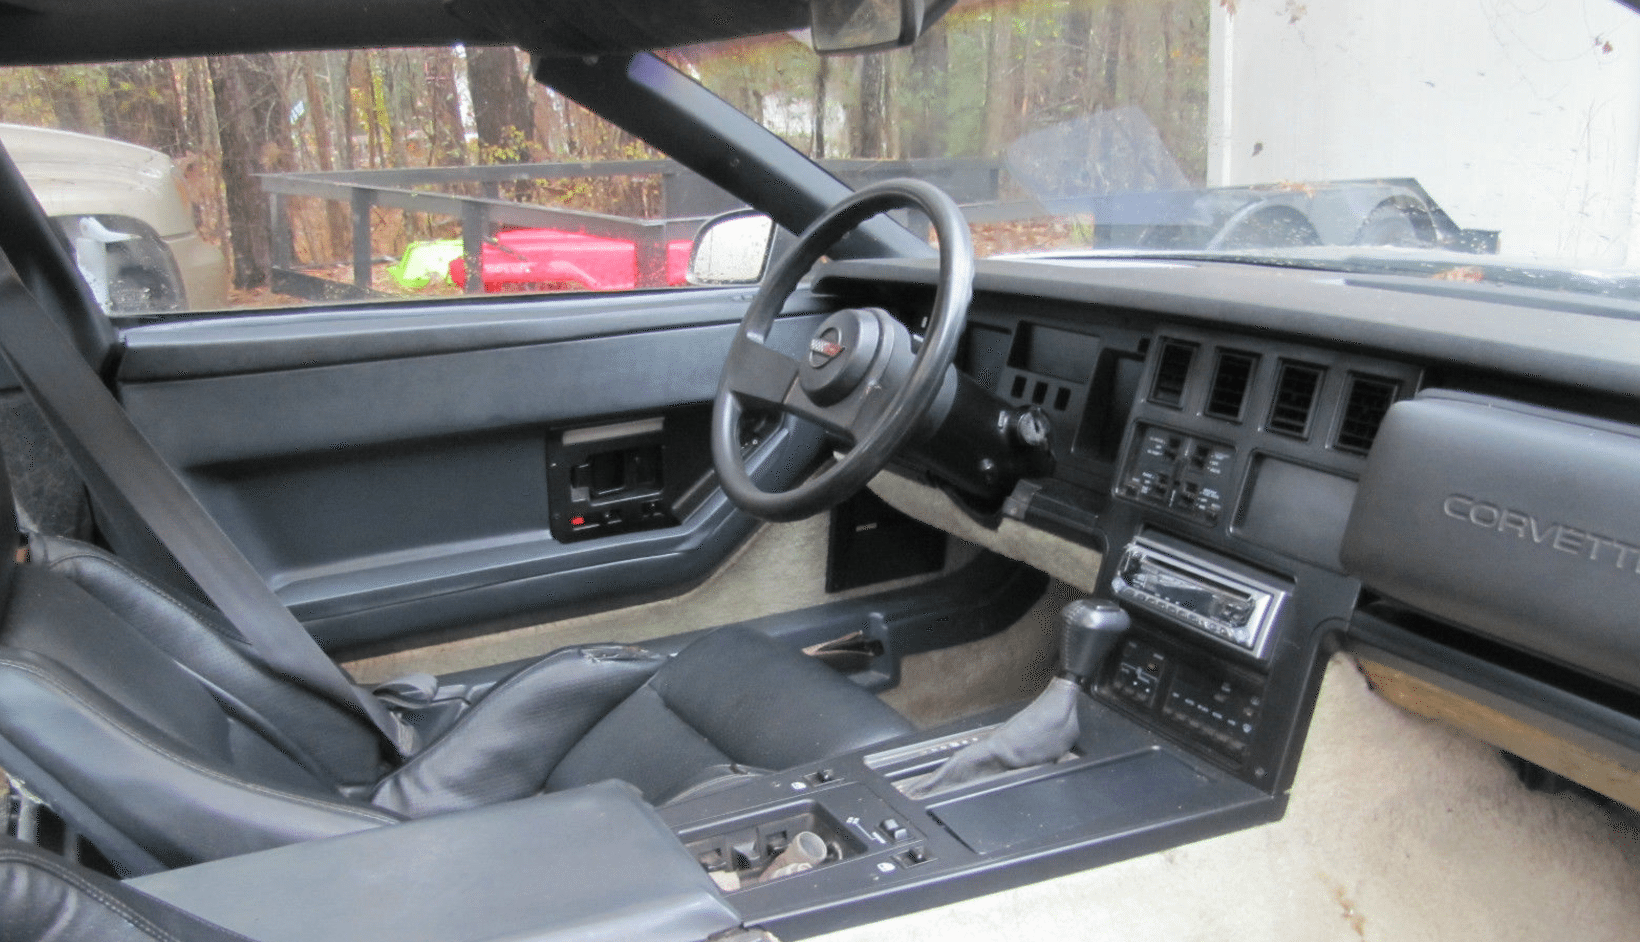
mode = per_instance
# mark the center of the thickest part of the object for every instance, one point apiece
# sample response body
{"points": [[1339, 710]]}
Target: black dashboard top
{"points": [[1592, 343]]}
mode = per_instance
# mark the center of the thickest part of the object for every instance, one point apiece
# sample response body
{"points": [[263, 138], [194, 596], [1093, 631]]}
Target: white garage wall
{"points": [[1516, 115]]}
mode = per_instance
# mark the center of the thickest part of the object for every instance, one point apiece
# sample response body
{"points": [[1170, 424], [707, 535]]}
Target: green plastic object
{"points": [[425, 263]]}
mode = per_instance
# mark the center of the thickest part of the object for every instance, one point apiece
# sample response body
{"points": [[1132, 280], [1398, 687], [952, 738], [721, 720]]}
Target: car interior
{"points": [[892, 580]]}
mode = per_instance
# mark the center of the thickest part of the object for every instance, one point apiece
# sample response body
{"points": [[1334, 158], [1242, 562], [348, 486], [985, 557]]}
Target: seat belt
{"points": [[123, 470]]}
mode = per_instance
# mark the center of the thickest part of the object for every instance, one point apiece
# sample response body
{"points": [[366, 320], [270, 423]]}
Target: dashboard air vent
{"points": [[1296, 386], [1230, 379], [1364, 409], [1172, 372]]}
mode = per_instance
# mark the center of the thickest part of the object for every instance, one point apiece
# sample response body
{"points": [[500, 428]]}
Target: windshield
{"points": [[1469, 140], [1465, 139]]}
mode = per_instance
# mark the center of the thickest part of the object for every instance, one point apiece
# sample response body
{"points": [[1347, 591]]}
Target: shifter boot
{"points": [[1041, 733]]}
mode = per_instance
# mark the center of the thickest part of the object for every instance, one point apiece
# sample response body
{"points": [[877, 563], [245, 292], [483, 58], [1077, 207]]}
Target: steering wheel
{"points": [[859, 378]]}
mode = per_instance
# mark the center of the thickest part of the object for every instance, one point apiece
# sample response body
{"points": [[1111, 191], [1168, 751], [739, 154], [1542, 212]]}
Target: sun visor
{"points": [[597, 27], [1517, 522]]}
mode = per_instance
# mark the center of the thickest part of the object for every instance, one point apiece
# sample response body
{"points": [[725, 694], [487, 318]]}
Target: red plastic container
{"points": [[554, 260]]}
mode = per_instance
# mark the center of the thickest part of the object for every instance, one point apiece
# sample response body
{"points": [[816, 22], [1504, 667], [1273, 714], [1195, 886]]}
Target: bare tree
{"points": [[501, 104], [871, 130], [449, 137], [255, 138]]}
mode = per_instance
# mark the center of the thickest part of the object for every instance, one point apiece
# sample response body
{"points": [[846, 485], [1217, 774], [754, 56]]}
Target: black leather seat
{"points": [[144, 720], [44, 898]]}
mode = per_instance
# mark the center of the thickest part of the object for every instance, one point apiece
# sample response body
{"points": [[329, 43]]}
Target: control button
{"points": [[822, 777], [894, 830], [915, 856]]}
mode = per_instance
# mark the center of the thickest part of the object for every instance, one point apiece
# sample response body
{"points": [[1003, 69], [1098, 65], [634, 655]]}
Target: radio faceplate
{"points": [[1230, 606]]}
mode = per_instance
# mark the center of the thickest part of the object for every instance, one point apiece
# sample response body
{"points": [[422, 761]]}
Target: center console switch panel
{"points": [[590, 864], [1207, 703]]}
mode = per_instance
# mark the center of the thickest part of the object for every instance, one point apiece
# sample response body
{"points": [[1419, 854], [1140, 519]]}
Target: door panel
{"points": [[388, 472]]}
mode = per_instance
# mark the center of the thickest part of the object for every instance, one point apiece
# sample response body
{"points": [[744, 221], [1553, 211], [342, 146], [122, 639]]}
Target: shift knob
{"points": [[1089, 628]]}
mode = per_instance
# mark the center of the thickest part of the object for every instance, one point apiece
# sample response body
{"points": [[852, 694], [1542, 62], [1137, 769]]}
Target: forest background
{"points": [[988, 73]]}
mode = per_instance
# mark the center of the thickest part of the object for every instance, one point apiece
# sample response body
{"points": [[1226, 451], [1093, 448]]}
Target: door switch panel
{"points": [[609, 479]]}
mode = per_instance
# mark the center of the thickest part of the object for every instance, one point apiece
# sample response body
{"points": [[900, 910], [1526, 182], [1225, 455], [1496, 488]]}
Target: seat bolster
{"points": [[310, 728], [44, 898], [507, 745], [643, 743], [179, 804], [768, 706]]}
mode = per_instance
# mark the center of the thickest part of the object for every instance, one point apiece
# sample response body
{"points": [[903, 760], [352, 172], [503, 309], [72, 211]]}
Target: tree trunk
{"points": [[1115, 23], [343, 89], [1077, 51], [871, 139], [250, 115], [501, 104], [923, 134], [449, 138], [336, 228], [817, 145], [369, 83], [1002, 81]]}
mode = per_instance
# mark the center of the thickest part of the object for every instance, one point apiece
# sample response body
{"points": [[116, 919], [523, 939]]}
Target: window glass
{"points": [[275, 180], [1467, 140]]}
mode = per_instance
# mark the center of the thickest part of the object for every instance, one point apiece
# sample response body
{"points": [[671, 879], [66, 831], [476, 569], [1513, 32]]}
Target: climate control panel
{"points": [[1184, 473]]}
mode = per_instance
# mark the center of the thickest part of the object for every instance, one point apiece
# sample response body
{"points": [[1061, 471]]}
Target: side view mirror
{"points": [[731, 249]]}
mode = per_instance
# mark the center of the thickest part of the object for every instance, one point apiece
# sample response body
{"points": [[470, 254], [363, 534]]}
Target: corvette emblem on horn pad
{"points": [[823, 351]]}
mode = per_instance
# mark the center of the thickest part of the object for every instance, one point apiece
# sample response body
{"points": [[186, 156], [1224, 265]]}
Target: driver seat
{"points": [[155, 730]]}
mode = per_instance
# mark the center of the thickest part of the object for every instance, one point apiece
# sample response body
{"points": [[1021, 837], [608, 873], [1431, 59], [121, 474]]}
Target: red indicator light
{"points": [[577, 521]]}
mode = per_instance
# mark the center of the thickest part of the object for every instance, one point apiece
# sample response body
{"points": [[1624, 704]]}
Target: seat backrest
{"points": [[115, 708]]}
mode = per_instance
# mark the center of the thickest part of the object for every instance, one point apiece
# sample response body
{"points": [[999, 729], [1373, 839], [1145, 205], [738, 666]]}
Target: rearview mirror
{"points": [[837, 26], [732, 249]]}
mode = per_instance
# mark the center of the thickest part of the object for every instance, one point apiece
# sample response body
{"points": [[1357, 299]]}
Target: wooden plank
{"points": [[1584, 765]]}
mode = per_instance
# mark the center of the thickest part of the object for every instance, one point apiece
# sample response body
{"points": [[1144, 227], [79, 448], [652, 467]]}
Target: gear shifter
{"points": [[1088, 630], [1047, 728]]}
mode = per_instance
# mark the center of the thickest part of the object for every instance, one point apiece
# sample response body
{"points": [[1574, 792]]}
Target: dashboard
{"points": [[1216, 427]]}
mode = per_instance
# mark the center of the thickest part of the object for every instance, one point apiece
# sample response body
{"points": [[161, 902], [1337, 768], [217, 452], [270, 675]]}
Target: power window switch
{"points": [[914, 856]]}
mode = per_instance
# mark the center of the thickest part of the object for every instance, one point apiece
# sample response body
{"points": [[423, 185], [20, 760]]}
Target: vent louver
{"points": [[1364, 409], [1230, 379], [1172, 372], [1296, 386]]}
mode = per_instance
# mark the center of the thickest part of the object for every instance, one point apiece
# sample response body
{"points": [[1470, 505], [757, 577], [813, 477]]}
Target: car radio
{"points": [[1230, 606]]}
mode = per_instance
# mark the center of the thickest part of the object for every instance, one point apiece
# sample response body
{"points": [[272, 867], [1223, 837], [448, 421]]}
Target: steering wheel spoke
{"points": [[756, 373], [847, 421]]}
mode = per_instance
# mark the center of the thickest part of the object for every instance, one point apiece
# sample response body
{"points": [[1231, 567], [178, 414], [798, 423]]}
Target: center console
{"points": [[585, 865], [1121, 792]]}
